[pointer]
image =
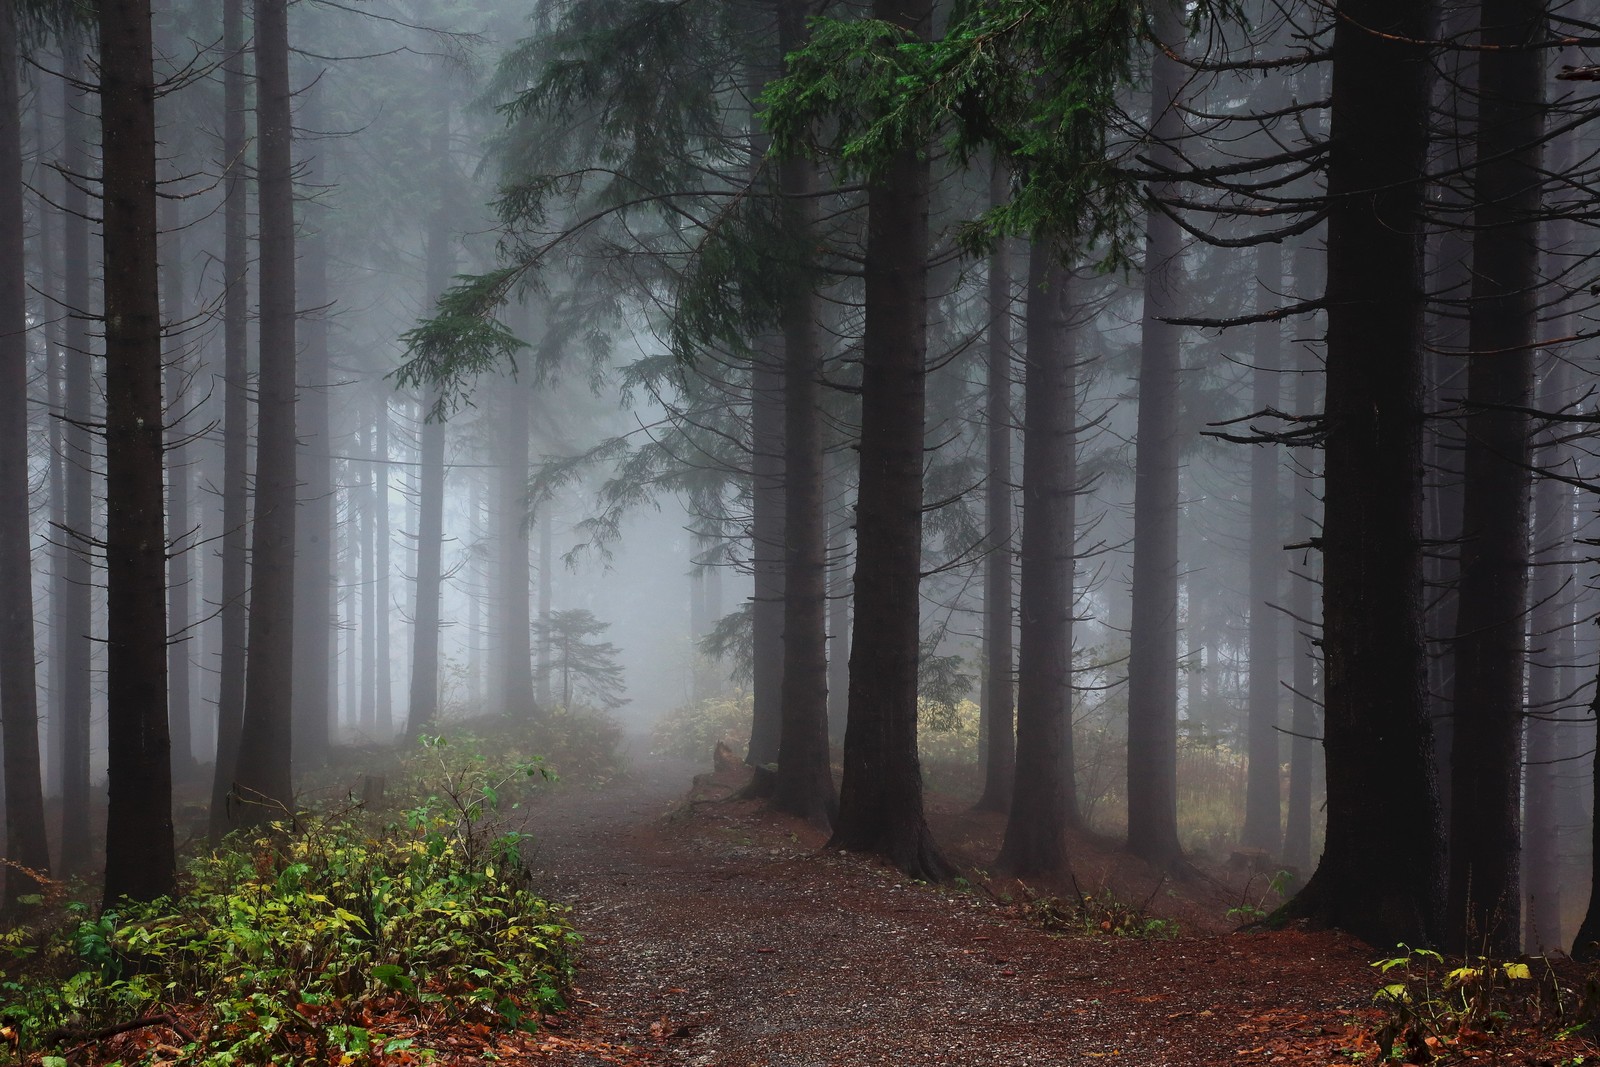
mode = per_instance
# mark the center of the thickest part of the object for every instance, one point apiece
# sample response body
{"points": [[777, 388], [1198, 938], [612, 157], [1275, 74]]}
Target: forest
{"points": [[505, 502]]}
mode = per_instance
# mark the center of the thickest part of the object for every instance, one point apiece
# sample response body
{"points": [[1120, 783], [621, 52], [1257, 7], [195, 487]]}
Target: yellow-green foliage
{"points": [[947, 733], [290, 937], [691, 731]]}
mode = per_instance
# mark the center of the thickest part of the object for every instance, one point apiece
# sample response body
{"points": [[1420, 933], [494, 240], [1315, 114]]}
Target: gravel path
{"points": [[718, 934]]}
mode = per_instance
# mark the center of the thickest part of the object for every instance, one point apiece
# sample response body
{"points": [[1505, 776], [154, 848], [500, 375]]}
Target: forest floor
{"points": [[717, 933]]}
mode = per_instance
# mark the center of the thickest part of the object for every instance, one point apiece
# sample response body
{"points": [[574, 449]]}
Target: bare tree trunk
{"points": [[77, 611], [262, 775], [1485, 897], [1153, 641], [880, 801], [314, 597], [424, 704], [838, 601], [1303, 752], [26, 842], [233, 611], [999, 687], [546, 575], [804, 785], [515, 592], [1262, 828], [381, 595], [1044, 803], [140, 860], [180, 572], [371, 619], [1381, 799], [766, 551]]}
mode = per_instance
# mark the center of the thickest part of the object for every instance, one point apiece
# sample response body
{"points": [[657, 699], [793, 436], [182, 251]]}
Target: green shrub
{"points": [[294, 941], [691, 731], [580, 742]]}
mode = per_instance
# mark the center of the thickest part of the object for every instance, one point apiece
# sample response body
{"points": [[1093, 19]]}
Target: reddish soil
{"points": [[720, 934]]}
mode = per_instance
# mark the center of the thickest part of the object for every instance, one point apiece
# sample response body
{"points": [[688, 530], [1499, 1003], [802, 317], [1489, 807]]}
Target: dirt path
{"points": [[717, 934]]}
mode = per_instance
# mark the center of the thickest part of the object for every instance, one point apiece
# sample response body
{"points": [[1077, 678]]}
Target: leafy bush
{"points": [[692, 731], [296, 942], [1100, 913], [580, 742]]}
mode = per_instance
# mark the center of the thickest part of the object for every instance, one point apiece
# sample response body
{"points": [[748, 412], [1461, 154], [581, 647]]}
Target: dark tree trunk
{"points": [[180, 569], [233, 610], [1153, 641], [26, 842], [999, 718], [838, 601], [767, 551], [1485, 897], [880, 801], [1303, 752], [1551, 599], [515, 593], [77, 610], [314, 600], [424, 703], [1381, 799], [804, 785], [262, 775], [1044, 801], [139, 846], [1262, 828]]}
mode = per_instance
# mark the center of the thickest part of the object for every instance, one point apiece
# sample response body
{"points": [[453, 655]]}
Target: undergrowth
{"points": [[1440, 1010], [1101, 913], [297, 944]]}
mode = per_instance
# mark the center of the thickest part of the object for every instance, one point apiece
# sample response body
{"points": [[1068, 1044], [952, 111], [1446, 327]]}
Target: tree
{"points": [[235, 421], [584, 667], [1381, 798], [179, 531], [999, 687], [515, 626], [804, 784], [26, 842], [262, 775], [1153, 641], [1485, 898], [880, 796], [77, 618], [140, 860], [1044, 801], [1262, 828], [424, 703]]}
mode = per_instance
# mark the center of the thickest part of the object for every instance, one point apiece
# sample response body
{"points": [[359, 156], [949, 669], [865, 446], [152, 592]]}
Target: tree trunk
{"points": [[1381, 799], [1262, 828], [77, 612], [515, 593], [1044, 803], [880, 801], [999, 687], [140, 859], [804, 785], [1153, 640], [314, 599], [26, 842], [233, 611], [380, 586], [546, 574], [838, 600], [180, 569], [766, 552], [262, 776], [373, 612], [1303, 752], [424, 704], [1551, 605], [1485, 897]]}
